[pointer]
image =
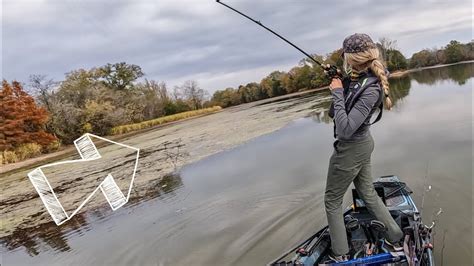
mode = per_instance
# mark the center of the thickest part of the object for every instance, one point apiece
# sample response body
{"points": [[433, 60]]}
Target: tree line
{"points": [[98, 99], [38, 116], [45, 112], [306, 76]]}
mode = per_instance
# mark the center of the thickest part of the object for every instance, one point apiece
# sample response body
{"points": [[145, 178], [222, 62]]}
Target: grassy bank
{"points": [[33, 150], [162, 120], [27, 151]]}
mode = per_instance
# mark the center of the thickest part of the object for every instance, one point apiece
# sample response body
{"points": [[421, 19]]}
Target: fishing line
{"points": [[330, 70]]}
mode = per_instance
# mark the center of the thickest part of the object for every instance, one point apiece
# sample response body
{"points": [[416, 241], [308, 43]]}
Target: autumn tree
{"points": [[335, 58], [22, 121], [256, 92], [420, 59], [298, 78], [468, 50], [244, 94], [318, 78], [226, 98], [70, 101], [273, 85]]}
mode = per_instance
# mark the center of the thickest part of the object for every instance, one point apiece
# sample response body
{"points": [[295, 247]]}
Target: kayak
{"points": [[366, 234]]}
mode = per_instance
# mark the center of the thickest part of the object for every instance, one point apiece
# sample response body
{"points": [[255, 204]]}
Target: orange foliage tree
{"points": [[21, 120]]}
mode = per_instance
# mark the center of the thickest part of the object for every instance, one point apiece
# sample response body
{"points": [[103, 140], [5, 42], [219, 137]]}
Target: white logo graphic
{"points": [[89, 153]]}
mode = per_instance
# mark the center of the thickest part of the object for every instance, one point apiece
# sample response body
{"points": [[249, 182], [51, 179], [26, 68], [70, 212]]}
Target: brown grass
{"points": [[162, 120]]}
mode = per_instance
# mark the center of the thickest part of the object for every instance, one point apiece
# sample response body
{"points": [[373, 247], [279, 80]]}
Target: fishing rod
{"points": [[330, 70]]}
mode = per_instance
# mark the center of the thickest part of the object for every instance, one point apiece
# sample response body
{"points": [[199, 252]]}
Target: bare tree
{"points": [[43, 89], [162, 91], [177, 93], [387, 44], [193, 94], [159, 89], [156, 98]]}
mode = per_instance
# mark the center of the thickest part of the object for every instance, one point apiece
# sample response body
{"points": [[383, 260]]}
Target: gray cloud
{"points": [[175, 40]]}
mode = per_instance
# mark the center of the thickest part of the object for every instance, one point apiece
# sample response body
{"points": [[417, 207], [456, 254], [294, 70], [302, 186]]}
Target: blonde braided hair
{"points": [[370, 58]]}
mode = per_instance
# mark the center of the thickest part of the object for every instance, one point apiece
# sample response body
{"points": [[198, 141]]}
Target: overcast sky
{"points": [[176, 40]]}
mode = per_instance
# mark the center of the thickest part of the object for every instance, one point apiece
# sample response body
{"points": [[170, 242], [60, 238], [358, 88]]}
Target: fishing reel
{"points": [[332, 71]]}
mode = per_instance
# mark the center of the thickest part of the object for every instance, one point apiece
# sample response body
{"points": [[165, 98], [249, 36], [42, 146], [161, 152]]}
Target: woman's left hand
{"points": [[335, 84]]}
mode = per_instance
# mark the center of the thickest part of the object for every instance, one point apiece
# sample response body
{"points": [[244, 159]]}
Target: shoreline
{"points": [[70, 150], [400, 73]]}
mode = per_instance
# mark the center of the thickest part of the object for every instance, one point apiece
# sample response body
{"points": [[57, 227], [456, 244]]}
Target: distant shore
{"points": [[400, 73], [70, 149]]}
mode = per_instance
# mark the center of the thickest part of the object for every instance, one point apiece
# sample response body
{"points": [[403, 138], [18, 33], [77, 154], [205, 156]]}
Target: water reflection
{"points": [[457, 73], [321, 112], [159, 188], [399, 89], [49, 235], [45, 235]]}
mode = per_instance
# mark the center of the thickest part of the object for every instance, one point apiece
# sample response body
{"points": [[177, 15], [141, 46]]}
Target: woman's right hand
{"points": [[336, 83]]}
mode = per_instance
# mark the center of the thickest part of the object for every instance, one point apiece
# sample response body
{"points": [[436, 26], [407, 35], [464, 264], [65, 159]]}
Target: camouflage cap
{"points": [[357, 42]]}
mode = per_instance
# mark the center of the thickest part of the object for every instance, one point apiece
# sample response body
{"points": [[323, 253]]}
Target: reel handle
{"points": [[332, 71]]}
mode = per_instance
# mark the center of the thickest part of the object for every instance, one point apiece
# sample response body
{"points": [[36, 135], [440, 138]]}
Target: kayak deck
{"points": [[366, 234]]}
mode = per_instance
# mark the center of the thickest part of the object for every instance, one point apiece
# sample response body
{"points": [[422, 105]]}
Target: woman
{"points": [[350, 161]]}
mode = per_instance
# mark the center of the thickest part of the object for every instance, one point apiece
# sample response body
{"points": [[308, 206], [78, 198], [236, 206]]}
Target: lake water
{"points": [[247, 205]]}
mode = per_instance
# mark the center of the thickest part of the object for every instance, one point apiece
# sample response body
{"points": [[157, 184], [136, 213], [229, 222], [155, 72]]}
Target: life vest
{"points": [[352, 95]]}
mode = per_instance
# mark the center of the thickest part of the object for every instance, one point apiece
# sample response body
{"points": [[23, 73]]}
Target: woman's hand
{"points": [[335, 84]]}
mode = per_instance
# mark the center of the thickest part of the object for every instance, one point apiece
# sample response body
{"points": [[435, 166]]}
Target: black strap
{"points": [[371, 80], [379, 115]]}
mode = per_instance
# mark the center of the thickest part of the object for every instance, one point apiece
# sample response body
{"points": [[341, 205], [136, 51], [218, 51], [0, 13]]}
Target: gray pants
{"points": [[349, 163]]}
